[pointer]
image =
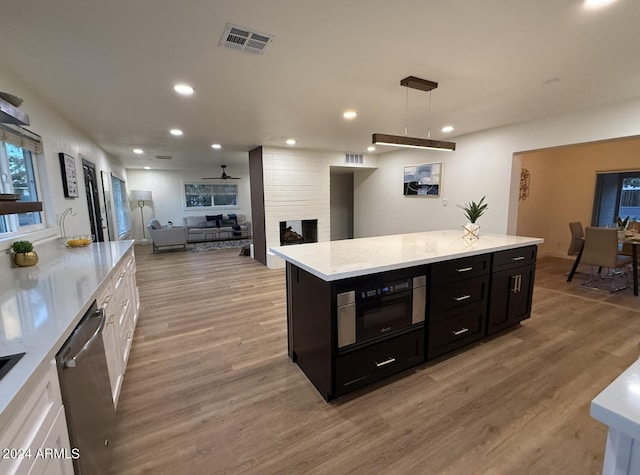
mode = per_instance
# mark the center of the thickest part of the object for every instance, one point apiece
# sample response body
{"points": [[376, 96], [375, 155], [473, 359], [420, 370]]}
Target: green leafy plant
{"points": [[474, 210], [622, 223], [20, 247]]}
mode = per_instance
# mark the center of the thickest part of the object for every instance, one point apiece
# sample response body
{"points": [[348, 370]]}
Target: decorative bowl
{"points": [[78, 240]]}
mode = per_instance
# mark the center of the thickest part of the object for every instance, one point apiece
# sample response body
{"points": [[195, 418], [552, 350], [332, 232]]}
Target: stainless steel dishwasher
{"points": [[86, 394]]}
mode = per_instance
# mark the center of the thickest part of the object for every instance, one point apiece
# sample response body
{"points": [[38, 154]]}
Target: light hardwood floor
{"points": [[209, 388]]}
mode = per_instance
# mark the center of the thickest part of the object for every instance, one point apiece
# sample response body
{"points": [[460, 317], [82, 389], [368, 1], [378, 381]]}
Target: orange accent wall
{"points": [[562, 187]]}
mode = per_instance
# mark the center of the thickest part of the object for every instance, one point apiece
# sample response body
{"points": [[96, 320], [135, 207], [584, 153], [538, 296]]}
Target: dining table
{"points": [[634, 241]]}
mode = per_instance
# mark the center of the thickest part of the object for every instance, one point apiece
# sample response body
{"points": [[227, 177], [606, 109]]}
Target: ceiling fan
{"points": [[224, 175]]}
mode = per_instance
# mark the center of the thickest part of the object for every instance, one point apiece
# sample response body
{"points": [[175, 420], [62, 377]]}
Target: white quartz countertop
{"points": [[334, 260], [41, 305], [618, 405]]}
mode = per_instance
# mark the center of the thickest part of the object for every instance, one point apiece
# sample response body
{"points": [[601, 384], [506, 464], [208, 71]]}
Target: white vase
{"points": [[471, 231]]}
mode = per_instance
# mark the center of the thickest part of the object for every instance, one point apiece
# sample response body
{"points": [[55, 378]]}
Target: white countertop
{"points": [[41, 305], [333, 260], [618, 405]]}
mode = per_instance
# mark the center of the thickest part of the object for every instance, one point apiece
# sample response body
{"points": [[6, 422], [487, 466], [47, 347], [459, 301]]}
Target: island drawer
{"points": [[456, 296], [377, 361], [514, 258], [459, 269], [456, 332]]}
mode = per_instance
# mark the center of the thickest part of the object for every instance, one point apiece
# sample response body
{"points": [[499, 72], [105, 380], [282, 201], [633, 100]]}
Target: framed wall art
{"points": [[423, 180], [69, 176]]}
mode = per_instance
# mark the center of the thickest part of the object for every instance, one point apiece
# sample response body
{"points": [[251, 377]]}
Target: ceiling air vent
{"points": [[353, 159], [163, 157], [244, 39]]}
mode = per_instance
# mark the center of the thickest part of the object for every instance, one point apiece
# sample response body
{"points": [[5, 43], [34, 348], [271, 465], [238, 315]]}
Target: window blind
{"points": [[20, 137]]}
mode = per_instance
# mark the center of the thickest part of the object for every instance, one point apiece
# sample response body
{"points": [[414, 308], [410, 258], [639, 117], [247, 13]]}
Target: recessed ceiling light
{"points": [[176, 132], [350, 114], [138, 151], [593, 4], [291, 141], [216, 146], [147, 168], [184, 89], [371, 148], [447, 128]]}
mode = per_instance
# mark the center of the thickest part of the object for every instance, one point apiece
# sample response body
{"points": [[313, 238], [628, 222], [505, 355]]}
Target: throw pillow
{"points": [[155, 224], [228, 222], [215, 218], [208, 224], [234, 217]]}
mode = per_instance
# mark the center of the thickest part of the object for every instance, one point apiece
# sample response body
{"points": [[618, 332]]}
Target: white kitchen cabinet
{"points": [[36, 437], [119, 298]]}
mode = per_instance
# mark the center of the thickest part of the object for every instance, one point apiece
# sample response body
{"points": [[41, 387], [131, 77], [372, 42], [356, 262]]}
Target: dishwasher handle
{"points": [[72, 362]]}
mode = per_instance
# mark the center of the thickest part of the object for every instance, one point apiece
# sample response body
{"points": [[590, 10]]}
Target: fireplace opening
{"points": [[299, 231]]}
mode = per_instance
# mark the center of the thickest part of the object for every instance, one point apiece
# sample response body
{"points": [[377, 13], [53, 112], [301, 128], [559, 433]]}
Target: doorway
{"points": [[93, 200], [616, 195], [341, 203]]}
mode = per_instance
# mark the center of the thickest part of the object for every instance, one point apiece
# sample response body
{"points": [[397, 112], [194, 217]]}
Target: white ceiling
{"points": [[110, 66]]}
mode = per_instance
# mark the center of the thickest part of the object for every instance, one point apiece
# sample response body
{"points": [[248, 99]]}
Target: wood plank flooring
{"points": [[209, 388]]}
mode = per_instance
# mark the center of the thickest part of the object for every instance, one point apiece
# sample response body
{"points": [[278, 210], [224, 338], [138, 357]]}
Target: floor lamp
{"points": [[141, 196]]}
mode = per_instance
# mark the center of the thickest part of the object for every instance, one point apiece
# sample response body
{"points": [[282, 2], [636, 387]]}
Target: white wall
{"points": [[166, 189], [58, 135], [481, 165], [297, 186]]}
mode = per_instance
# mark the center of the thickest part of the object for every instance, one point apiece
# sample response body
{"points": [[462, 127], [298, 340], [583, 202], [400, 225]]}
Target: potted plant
{"points": [[23, 254], [472, 212]]}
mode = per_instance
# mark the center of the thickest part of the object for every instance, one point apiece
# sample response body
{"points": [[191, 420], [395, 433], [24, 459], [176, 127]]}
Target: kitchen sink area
{"points": [[8, 362]]}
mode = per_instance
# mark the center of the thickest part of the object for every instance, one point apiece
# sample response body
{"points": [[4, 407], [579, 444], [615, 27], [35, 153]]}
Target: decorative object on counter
{"points": [[63, 217], [78, 240], [141, 196], [23, 254], [472, 212], [69, 176], [422, 180], [525, 178], [414, 142]]}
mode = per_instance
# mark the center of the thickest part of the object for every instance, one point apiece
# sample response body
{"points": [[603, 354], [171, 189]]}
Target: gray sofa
{"points": [[216, 227]]}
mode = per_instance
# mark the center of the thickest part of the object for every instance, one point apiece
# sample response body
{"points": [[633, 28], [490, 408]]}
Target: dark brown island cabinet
{"points": [[348, 333]]}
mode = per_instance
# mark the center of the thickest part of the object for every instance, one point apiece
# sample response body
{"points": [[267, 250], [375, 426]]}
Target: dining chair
{"points": [[577, 238], [601, 250]]}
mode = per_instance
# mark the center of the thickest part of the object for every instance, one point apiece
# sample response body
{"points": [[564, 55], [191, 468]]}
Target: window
{"points": [[19, 151], [121, 206], [617, 195], [208, 195]]}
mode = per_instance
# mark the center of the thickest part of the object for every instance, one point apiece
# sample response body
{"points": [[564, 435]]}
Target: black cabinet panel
{"points": [[465, 268], [456, 332], [456, 296], [513, 258], [510, 297], [374, 362]]}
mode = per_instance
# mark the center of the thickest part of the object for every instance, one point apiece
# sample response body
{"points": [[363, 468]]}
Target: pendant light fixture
{"points": [[414, 142]]}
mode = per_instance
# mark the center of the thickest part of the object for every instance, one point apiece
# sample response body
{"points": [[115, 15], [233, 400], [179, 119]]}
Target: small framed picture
{"points": [[422, 180], [69, 176]]}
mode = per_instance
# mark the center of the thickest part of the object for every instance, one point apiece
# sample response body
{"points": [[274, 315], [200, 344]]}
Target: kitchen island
{"points": [[618, 406], [39, 308], [363, 309]]}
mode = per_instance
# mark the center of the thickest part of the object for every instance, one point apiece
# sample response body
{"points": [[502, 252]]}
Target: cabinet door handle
{"points": [[464, 269], [519, 282], [384, 363], [460, 299], [460, 332], [519, 258]]}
